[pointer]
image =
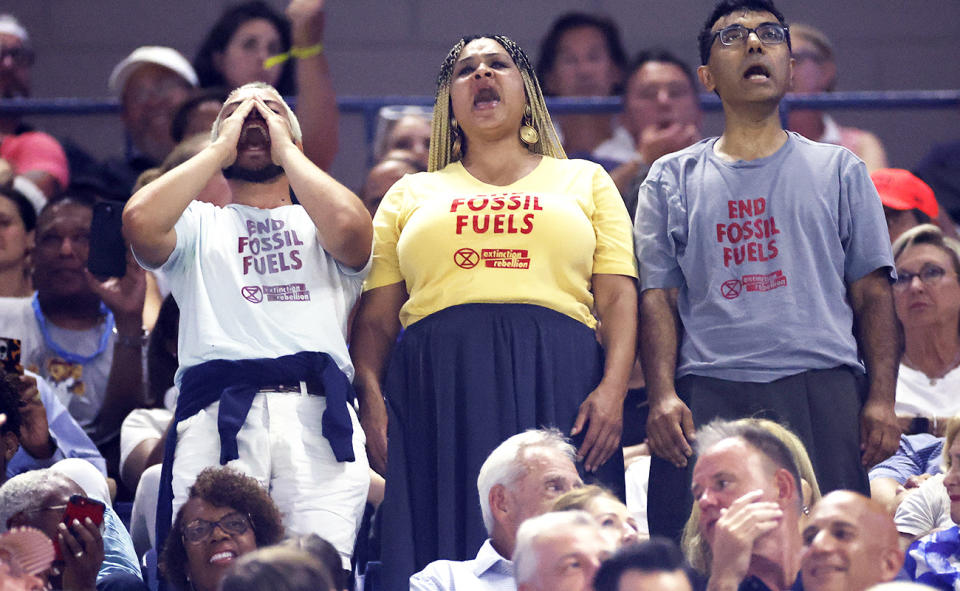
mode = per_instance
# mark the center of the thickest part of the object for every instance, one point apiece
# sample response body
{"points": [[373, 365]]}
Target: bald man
{"points": [[850, 544]]}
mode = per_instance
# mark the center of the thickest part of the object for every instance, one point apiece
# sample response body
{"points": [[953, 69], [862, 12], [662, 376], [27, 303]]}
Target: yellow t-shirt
{"points": [[455, 240]]}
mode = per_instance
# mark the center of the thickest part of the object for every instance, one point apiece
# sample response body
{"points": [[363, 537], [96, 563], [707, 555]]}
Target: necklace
{"points": [[59, 350], [935, 378]]}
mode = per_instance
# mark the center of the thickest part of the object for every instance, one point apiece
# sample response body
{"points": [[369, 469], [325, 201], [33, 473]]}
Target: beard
{"points": [[267, 174]]}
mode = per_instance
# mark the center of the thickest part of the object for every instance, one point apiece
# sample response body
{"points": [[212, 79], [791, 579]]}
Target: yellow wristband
{"points": [[305, 52], [295, 52]]}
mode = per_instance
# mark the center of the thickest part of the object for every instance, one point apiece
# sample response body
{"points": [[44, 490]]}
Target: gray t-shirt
{"points": [[81, 387], [762, 252]]}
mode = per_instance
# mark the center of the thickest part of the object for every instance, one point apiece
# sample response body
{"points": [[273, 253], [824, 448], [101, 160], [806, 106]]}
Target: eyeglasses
{"points": [[767, 33], [928, 275], [50, 508], [199, 530]]}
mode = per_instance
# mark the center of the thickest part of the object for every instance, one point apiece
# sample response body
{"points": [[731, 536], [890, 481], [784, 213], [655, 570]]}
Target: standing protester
{"points": [[495, 262], [772, 254], [264, 288]]}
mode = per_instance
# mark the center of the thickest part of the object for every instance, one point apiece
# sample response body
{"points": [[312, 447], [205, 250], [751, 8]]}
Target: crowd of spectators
{"points": [[468, 372]]}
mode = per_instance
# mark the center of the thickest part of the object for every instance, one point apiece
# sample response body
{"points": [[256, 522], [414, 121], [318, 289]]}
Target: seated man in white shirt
{"points": [[519, 479], [560, 551]]}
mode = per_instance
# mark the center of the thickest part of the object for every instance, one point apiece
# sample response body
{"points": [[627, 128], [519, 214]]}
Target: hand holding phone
{"points": [[79, 508], [81, 542]]}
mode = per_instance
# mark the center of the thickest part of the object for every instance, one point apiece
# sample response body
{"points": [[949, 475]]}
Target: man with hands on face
{"points": [[748, 489], [264, 287]]}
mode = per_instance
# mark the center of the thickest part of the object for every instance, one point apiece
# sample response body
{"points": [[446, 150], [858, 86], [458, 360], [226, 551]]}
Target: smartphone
{"points": [[10, 356], [108, 251], [80, 507]]}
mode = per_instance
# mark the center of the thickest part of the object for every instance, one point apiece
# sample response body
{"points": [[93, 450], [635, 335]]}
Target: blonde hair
{"points": [[694, 547], [582, 498], [927, 234], [949, 436], [442, 136]]}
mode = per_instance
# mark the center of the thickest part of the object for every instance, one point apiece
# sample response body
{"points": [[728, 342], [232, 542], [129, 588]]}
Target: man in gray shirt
{"points": [[765, 270]]}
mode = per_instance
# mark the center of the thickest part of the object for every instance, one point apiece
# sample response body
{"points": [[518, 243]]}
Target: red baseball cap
{"points": [[901, 189]]}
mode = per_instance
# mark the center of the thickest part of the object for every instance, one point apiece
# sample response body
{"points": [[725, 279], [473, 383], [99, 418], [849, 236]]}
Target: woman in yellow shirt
{"points": [[496, 263]]}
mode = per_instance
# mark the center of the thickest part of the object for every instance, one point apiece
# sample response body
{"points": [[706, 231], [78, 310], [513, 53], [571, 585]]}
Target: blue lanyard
{"points": [[63, 353]]}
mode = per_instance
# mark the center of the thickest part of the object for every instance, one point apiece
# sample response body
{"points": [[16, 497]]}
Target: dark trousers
{"points": [[821, 406]]}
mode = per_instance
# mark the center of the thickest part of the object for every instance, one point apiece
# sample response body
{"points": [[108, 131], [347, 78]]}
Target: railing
{"points": [[368, 106]]}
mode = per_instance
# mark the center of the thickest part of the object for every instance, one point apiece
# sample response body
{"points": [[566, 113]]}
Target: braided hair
{"points": [[442, 136]]}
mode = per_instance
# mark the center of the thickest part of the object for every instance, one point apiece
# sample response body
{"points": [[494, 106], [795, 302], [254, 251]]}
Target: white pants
{"points": [[281, 445], [143, 516]]}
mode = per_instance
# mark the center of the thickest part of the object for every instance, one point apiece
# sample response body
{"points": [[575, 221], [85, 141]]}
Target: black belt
{"points": [[314, 387]]}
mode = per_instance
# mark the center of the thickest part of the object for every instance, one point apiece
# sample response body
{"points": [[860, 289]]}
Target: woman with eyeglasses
{"points": [[927, 298], [227, 515]]}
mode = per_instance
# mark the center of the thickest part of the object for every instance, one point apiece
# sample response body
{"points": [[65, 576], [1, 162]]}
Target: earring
{"points": [[455, 134], [528, 133]]}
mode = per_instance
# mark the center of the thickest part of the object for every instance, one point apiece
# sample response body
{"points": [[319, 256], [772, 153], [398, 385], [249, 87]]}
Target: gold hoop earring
{"points": [[528, 133], [455, 134]]}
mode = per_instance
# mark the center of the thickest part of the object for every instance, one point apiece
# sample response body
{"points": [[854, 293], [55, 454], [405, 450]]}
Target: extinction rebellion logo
{"points": [[294, 292], [493, 258]]}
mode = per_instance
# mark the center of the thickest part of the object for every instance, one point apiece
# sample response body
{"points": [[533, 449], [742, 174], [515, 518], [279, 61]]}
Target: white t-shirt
{"points": [[925, 509], [81, 387], [140, 425], [917, 397], [255, 283], [619, 147]]}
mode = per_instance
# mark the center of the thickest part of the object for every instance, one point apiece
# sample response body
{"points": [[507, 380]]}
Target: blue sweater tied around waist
{"points": [[235, 384]]}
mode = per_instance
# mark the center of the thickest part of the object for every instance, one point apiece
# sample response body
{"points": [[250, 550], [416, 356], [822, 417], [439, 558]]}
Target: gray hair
{"points": [[760, 439], [24, 491], [291, 117], [526, 558], [505, 464]]}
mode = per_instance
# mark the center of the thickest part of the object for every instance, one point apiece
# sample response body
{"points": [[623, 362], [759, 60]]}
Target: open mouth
{"points": [[222, 557], [254, 137], [757, 72], [486, 98]]}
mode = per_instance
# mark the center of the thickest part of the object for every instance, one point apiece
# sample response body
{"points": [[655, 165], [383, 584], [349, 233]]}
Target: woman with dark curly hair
{"points": [[251, 42], [237, 45], [227, 515]]}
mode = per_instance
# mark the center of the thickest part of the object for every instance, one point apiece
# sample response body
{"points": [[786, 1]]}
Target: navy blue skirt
{"points": [[460, 382]]}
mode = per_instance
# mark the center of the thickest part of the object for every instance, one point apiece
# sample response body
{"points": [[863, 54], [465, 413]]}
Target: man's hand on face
{"points": [[656, 141], [735, 532], [230, 128], [83, 553], [281, 137]]}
